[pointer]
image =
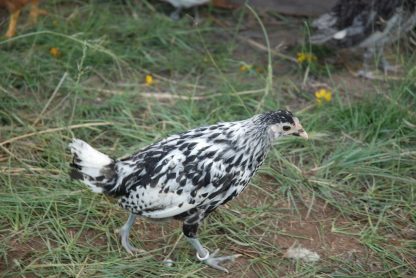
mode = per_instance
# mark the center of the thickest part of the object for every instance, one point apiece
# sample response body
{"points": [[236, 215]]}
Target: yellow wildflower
{"points": [[323, 95], [251, 68], [55, 52], [149, 80], [244, 68], [302, 57]]}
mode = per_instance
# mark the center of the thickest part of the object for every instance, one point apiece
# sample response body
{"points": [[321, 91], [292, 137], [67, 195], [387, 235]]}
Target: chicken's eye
{"points": [[286, 128]]}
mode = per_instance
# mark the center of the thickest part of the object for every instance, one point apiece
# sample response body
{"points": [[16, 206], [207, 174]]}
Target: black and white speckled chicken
{"points": [[368, 24], [187, 175]]}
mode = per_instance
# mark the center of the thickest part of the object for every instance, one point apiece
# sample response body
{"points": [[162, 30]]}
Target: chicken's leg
{"points": [[176, 14], [124, 233], [35, 12], [385, 66], [368, 58], [201, 252], [11, 31]]}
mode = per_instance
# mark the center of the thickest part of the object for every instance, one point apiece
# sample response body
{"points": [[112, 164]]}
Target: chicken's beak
{"points": [[299, 129], [302, 133]]}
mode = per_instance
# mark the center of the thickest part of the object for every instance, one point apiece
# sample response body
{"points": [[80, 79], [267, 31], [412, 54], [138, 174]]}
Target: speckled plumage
{"points": [[365, 23], [188, 175]]}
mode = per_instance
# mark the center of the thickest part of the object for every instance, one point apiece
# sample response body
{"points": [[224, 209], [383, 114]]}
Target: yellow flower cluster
{"points": [[251, 68], [55, 52], [149, 80], [244, 68], [302, 57], [323, 95]]}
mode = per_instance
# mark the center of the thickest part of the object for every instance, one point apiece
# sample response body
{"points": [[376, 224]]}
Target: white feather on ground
{"points": [[300, 253]]}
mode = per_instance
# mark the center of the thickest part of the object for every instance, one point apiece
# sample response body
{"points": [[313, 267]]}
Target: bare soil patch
{"points": [[316, 227], [18, 251]]}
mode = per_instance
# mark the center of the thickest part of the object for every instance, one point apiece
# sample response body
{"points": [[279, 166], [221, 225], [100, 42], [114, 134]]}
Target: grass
{"points": [[348, 193]]}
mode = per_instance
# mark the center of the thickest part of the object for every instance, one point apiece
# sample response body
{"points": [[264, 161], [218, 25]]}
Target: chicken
{"points": [[185, 4], [368, 24], [14, 7], [187, 175]]}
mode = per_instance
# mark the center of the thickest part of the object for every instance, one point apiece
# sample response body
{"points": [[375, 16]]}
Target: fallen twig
{"points": [[168, 95], [260, 46], [19, 171], [51, 98], [52, 130]]}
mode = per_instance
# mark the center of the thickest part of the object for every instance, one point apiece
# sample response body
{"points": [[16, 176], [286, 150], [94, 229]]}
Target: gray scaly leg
{"points": [[197, 19], [124, 233], [368, 58], [385, 66], [201, 252], [176, 14]]}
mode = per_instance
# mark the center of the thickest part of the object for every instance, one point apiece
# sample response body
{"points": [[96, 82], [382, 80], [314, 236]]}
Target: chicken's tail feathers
{"points": [[93, 168]]}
